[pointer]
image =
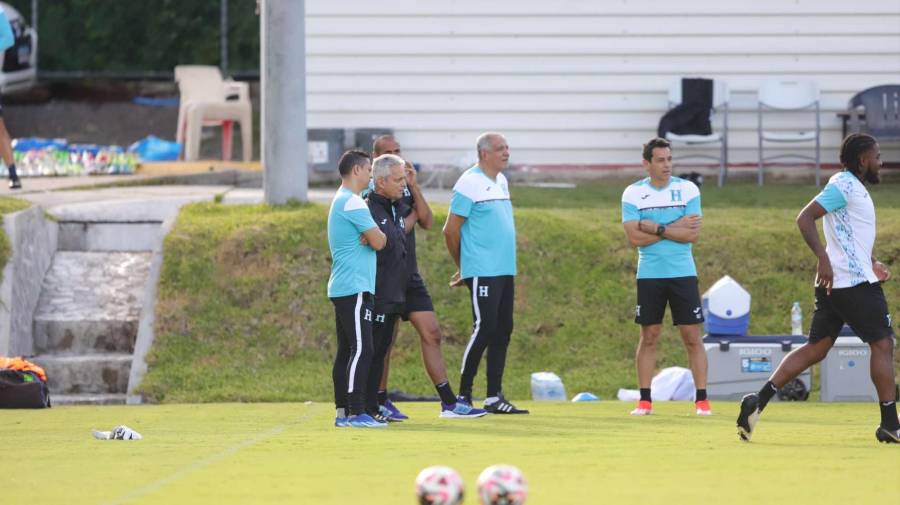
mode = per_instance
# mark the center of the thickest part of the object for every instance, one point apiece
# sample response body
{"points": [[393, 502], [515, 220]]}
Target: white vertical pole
{"points": [[283, 85]]}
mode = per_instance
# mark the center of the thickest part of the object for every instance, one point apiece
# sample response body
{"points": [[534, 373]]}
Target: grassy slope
{"points": [[8, 206], [242, 312], [809, 453]]}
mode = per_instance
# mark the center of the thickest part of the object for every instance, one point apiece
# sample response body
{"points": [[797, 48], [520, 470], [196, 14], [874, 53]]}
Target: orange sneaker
{"points": [[703, 408], [644, 408]]}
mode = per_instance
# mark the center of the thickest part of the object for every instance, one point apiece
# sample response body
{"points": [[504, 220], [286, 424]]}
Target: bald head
{"points": [[385, 144]]}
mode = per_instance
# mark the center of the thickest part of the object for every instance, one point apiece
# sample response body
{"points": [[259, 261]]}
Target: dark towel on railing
{"points": [[691, 116]]}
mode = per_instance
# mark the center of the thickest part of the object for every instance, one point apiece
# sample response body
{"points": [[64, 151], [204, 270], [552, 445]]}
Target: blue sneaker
{"points": [[389, 416], [460, 410], [364, 421], [395, 414], [464, 399], [341, 422]]}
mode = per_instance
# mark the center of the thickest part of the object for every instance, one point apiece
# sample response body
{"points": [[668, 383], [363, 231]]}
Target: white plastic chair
{"points": [[721, 97], [208, 100], [788, 95]]}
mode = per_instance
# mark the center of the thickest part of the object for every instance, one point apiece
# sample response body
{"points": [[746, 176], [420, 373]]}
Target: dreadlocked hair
{"points": [[854, 146]]}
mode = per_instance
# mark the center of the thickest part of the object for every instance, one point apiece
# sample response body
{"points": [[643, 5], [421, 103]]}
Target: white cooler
{"points": [[845, 372], [739, 365]]}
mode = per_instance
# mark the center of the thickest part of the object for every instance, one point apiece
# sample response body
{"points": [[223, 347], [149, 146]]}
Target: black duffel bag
{"points": [[22, 390]]}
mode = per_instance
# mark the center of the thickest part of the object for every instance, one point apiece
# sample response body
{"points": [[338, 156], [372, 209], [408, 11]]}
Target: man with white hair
{"points": [[389, 177], [480, 233]]}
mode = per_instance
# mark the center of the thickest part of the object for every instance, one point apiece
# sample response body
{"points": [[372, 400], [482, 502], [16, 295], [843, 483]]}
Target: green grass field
{"points": [[589, 453]]}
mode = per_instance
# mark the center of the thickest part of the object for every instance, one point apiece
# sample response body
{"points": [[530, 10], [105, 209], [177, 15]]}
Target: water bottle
{"points": [[796, 319], [547, 386]]}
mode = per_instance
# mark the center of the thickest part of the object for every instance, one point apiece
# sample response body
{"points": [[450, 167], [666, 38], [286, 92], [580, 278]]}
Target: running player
{"points": [[847, 286]]}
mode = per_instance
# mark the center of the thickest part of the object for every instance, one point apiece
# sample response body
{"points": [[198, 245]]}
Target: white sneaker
{"points": [[118, 433]]}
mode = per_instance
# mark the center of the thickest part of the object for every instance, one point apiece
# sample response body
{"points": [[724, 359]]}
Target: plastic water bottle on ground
{"points": [[796, 319], [547, 386]]}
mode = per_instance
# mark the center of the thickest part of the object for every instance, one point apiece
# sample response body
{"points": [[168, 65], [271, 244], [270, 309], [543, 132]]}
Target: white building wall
{"points": [[582, 82]]}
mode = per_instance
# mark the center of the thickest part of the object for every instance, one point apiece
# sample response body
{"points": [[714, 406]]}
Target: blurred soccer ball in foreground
{"points": [[502, 485], [439, 485]]}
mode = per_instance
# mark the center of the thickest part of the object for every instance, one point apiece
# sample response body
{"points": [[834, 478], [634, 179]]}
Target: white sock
{"points": [[341, 412], [491, 400]]}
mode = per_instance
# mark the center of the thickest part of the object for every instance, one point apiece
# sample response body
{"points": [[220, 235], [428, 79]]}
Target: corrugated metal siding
{"points": [[582, 81]]}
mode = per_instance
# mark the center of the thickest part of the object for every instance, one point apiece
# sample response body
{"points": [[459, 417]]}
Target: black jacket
{"points": [[392, 273], [691, 116]]}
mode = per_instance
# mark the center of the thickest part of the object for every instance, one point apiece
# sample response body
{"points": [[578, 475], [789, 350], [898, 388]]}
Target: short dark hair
{"points": [[653, 144], [351, 159], [854, 146]]}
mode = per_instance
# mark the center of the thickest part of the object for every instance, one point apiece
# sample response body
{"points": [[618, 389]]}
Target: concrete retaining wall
{"points": [[33, 240]]}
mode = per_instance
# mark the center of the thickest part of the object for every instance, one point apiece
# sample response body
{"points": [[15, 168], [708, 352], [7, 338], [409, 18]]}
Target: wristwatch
{"points": [[660, 229]]}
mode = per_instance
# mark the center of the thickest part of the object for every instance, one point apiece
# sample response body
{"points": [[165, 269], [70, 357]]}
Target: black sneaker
{"points": [[887, 436], [379, 417], [748, 417], [15, 183], [502, 406]]}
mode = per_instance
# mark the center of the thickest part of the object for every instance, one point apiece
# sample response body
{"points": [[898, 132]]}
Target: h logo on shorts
{"points": [[368, 315], [676, 195], [637, 311], [483, 291], [379, 318]]}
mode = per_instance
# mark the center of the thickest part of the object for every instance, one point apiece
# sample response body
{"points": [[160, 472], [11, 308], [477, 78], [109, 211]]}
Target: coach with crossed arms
{"points": [[480, 233]]}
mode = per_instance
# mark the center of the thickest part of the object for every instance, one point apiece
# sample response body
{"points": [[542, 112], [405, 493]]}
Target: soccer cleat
{"points": [[364, 421], [460, 410], [644, 408], [387, 414], [703, 408], [748, 417], [341, 422], [395, 415], [887, 436], [379, 417], [501, 406]]}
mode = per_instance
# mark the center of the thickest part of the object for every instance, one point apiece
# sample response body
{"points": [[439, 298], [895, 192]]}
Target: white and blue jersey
{"points": [[849, 229], [7, 38], [488, 237], [353, 265], [665, 259]]}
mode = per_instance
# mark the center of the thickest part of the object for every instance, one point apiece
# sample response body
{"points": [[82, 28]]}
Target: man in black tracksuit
{"points": [[392, 273]]}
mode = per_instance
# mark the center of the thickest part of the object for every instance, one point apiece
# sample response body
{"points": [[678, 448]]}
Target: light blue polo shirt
{"points": [[7, 38], [667, 258], [352, 264], [488, 242]]}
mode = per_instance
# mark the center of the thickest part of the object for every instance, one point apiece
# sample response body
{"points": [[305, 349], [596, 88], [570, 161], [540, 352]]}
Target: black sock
{"points": [[382, 397], [12, 172], [889, 419], [701, 395], [446, 393], [766, 394], [645, 395]]}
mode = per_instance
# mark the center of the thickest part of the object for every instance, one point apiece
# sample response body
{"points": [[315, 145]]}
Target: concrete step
{"points": [[85, 337], [102, 399], [90, 302], [86, 373], [109, 235]]}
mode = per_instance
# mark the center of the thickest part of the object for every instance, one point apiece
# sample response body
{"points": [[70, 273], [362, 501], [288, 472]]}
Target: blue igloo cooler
{"points": [[726, 308]]}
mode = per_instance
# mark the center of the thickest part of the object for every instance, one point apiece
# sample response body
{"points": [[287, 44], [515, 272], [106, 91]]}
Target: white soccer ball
{"points": [[502, 485], [439, 485]]}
